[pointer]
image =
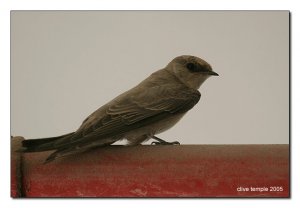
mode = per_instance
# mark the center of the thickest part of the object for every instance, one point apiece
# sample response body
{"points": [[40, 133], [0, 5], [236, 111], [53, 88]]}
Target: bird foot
{"points": [[165, 143]]}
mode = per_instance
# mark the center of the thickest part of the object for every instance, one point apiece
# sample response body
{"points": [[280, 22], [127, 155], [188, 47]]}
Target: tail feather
{"points": [[63, 153], [66, 151], [43, 144]]}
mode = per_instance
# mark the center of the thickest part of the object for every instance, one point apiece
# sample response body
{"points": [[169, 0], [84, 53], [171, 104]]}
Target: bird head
{"points": [[190, 70]]}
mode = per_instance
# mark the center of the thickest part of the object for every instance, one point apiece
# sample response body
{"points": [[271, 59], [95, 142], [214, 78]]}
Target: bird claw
{"points": [[165, 143]]}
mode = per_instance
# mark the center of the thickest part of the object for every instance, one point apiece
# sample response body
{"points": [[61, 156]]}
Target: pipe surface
{"points": [[155, 171]]}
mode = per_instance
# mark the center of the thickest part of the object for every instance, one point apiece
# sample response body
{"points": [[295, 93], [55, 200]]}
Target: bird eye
{"points": [[192, 67]]}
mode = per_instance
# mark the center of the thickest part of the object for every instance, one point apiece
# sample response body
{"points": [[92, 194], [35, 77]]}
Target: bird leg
{"points": [[163, 142]]}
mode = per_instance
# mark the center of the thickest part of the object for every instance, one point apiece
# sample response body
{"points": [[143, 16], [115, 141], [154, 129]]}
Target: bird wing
{"points": [[135, 110]]}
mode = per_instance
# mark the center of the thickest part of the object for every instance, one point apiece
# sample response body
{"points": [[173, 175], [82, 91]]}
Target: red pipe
{"points": [[155, 171]]}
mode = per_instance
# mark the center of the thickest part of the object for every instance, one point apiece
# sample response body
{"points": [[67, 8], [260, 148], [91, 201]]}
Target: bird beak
{"points": [[212, 73]]}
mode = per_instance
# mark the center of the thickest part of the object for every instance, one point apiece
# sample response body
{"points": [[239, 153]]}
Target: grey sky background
{"points": [[65, 65]]}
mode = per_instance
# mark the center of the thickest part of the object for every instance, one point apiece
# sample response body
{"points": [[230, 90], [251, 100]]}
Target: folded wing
{"points": [[138, 110]]}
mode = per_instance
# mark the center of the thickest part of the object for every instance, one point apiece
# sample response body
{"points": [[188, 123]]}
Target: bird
{"points": [[153, 106]]}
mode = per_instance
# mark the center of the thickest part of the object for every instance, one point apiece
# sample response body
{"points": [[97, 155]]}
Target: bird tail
{"points": [[43, 144]]}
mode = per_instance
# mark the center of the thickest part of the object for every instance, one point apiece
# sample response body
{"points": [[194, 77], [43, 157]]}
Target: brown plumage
{"points": [[153, 106]]}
